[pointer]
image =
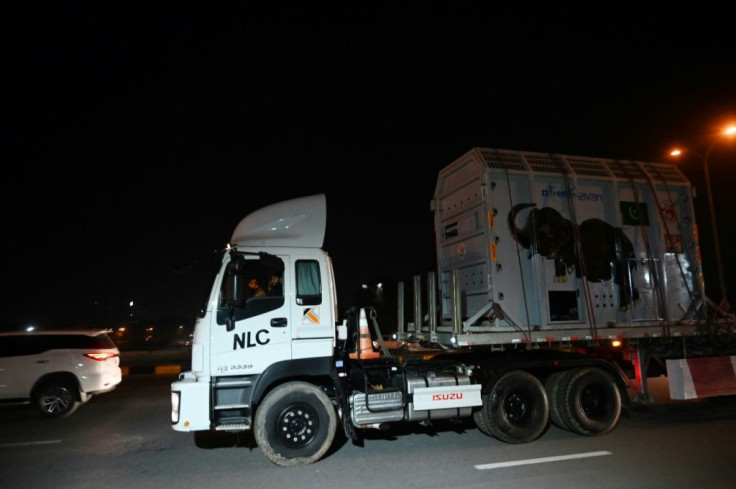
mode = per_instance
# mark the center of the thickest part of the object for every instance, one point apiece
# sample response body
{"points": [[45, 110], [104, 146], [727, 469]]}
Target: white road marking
{"points": [[29, 443], [542, 460]]}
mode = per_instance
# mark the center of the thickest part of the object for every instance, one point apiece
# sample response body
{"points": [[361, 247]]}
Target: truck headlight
{"points": [[175, 398]]}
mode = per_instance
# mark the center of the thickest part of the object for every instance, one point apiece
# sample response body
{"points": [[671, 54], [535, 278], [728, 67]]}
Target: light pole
{"points": [[730, 132]]}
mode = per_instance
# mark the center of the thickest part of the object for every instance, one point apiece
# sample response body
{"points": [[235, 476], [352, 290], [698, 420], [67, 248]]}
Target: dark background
{"points": [[139, 134]]}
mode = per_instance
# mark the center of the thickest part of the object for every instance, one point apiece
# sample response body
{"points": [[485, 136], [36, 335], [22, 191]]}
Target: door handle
{"points": [[278, 322], [42, 361]]}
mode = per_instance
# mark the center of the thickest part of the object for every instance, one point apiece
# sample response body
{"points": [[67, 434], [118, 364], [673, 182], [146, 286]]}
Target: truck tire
{"points": [[517, 409], [589, 401], [480, 422], [295, 424], [56, 399], [552, 387]]}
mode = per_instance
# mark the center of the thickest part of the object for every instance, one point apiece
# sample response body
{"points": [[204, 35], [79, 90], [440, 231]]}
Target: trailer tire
{"points": [[552, 387], [295, 424], [517, 409], [589, 401]]}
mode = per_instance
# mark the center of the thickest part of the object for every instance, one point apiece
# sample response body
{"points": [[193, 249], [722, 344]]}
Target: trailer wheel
{"points": [[552, 387], [589, 401], [295, 424], [517, 409]]}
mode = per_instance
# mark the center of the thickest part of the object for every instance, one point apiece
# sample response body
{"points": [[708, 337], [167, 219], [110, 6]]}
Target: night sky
{"points": [[139, 134]]}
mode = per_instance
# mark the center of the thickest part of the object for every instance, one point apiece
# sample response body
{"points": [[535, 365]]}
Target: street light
{"points": [[729, 132]]}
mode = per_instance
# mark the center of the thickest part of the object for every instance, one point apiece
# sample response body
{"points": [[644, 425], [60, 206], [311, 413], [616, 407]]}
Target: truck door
{"points": [[253, 329], [313, 323]]}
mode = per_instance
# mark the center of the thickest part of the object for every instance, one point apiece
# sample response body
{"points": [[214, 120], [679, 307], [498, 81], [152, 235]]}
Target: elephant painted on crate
{"points": [[606, 250]]}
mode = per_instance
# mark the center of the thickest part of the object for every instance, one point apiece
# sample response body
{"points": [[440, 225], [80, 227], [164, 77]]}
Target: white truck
{"points": [[557, 276]]}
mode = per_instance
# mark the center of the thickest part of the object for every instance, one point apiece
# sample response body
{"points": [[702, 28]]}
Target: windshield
{"points": [[214, 266]]}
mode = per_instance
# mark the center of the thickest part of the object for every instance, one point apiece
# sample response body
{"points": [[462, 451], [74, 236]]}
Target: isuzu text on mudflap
{"points": [[559, 276]]}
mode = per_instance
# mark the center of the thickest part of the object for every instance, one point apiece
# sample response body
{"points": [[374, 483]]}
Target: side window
{"points": [[84, 342], [16, 346], [255, 281], [44, 343], [308, 283], [62, 342], [8, 346]]}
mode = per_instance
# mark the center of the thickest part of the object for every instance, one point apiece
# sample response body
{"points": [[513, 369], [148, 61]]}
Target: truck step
{"points": [[233, 427], [227, 383], [221, 407]]}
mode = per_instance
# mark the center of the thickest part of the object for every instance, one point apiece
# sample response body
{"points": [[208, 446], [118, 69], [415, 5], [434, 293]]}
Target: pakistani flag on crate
{"points": [[634, 213]]}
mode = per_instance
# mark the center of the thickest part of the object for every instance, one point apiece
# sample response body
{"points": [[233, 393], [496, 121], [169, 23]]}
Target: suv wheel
{"points": [[56, 400]]}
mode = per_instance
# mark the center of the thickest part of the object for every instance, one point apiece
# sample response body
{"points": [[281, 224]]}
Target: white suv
{"points": [[57, 371]]}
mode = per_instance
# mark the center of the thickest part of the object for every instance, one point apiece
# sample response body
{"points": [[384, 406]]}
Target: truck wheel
{"points": [[552, 387], [56, 399], [480, 422], [295, 424], [517, 409], [589, 401]]}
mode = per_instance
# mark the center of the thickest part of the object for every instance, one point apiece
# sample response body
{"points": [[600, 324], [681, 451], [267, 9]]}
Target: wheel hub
{"points": [[56, 402], [515, 408], [297, 426]]}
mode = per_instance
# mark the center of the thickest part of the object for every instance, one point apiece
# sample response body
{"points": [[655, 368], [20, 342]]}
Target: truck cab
{"points": [[246, 342]]}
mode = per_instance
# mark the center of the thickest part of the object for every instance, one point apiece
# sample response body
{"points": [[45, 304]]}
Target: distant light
{"points": [[676, 152], [30, 328], [379, 285], [131, 304], [616, 343], [730, 131], [365, 286]]}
